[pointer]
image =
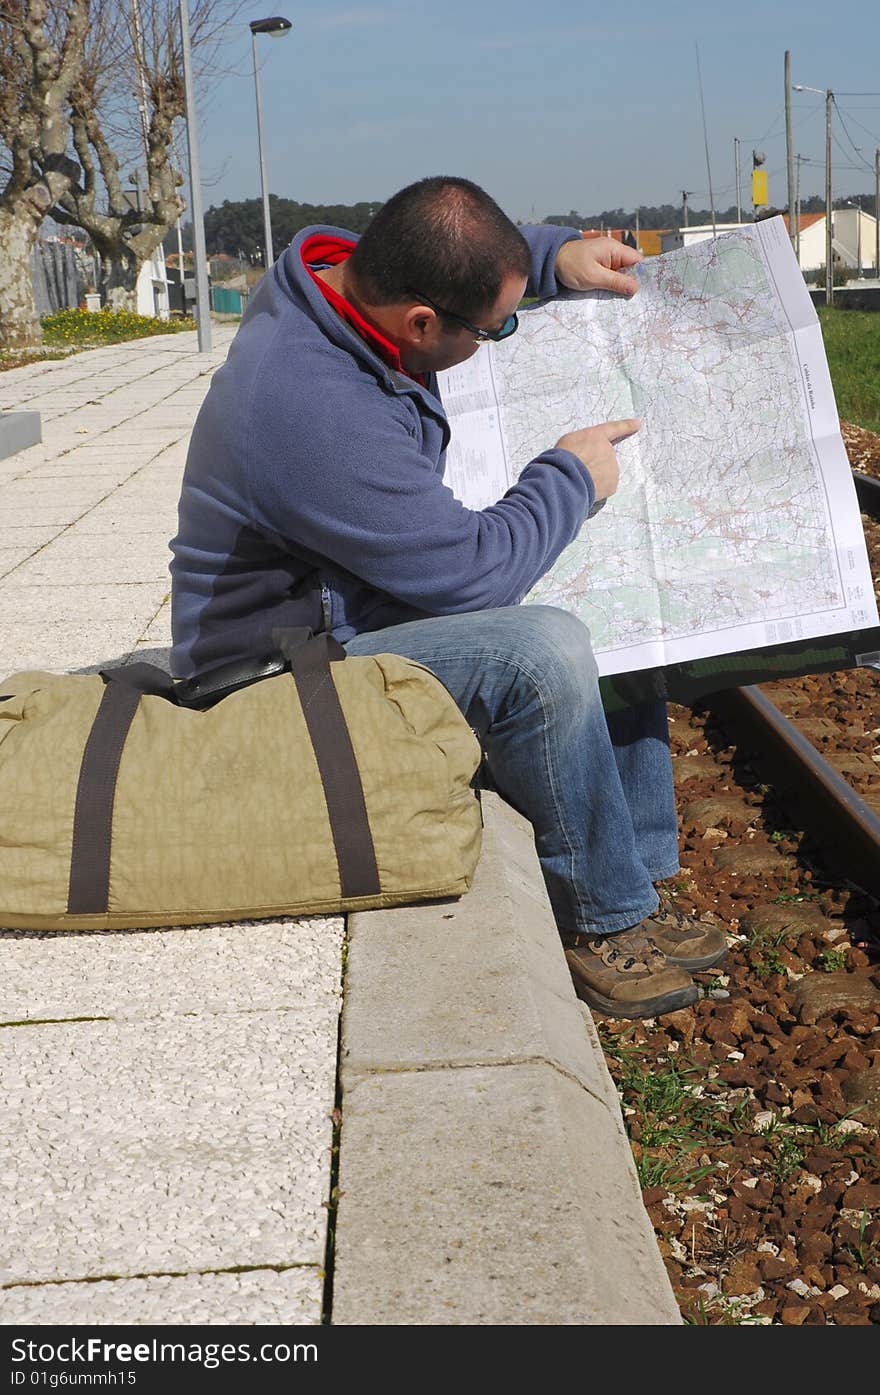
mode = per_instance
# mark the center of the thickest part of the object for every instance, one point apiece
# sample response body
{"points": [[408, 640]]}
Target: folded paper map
{"points": [[735, 525]]}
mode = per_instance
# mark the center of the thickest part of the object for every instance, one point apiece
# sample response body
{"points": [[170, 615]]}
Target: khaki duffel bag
{"points": [[335, 786]]}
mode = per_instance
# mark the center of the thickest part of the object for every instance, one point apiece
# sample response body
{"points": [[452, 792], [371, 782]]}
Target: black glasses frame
{"points": [[509, 327]]}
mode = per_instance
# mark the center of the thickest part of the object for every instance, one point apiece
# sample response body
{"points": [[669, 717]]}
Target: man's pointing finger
{"points": [[618, 430]]}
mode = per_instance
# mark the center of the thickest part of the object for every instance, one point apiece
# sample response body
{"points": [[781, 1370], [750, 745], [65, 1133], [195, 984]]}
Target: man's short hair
{"points": [[444, 238]]}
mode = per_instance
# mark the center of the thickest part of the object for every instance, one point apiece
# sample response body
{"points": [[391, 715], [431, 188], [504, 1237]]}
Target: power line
{"points": [[861, 126], [859, 154]]}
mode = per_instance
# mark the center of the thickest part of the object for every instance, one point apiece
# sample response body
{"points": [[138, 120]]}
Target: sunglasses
{"points": [[509, 327]]}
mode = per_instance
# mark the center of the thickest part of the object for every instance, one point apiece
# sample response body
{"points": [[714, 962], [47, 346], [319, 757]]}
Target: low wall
{"points": [[850, 297]]}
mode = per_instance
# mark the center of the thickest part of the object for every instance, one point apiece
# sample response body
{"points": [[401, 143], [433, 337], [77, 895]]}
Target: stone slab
{"points": [[264, 1297], [751, 857], [18, 430], [818, 994], [720, 809], [84, 567], [188, 1143], [485, 1173], [495, 1195], [478, 980], [245, 966], [797, 917], [696, 767], [134, 601], [65, 647]]}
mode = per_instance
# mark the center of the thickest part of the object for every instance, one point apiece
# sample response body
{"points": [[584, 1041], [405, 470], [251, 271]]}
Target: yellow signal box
{"points": [[759, 188]]}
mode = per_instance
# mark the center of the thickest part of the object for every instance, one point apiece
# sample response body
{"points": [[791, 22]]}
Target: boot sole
{"points": [[691, 965], [649, 1007]]}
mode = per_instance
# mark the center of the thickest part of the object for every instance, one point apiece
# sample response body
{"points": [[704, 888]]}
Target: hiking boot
{"points": [[626, 975], [686, 941]]}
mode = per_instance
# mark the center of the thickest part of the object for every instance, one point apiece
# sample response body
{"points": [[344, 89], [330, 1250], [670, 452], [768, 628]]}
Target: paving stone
{"points": [[66, 647], [134, 601], [241, 966], [176, 1144], [263, 1297]]}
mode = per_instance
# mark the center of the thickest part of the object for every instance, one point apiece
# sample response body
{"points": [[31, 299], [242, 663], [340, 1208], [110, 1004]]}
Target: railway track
{"points": [[846, 820], [754, 1118]]}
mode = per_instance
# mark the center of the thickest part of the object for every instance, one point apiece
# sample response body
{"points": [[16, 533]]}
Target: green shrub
{"points": [[74, 327]]}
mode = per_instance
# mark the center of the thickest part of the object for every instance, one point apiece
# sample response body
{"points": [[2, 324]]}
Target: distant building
{"points": [[152, 287], [671, 240], [650, 241], [853, 239]]}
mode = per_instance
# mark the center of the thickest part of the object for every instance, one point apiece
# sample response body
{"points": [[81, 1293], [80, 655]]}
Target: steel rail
{"points": [[868, 493], [828, 806]]}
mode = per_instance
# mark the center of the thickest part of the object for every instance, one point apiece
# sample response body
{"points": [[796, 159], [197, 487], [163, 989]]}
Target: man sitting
{"points": [[314, 495]]}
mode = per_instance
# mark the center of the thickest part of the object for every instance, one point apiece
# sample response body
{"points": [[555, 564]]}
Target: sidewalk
{"points": [[169, 1095]]}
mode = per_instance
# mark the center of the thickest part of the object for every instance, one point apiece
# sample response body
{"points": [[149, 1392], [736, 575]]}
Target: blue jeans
{"points": [[597, 790]]}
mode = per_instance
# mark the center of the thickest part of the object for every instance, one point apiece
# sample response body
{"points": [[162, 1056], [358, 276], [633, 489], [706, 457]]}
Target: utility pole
{"points": [[203, 308], [788, 149], [797, 210], [684, 207], [739, 214], [706, 142], [829, 249]]}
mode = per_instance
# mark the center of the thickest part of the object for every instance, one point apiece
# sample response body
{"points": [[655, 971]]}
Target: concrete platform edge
{"points": [[485, 1176], [18, 430]]}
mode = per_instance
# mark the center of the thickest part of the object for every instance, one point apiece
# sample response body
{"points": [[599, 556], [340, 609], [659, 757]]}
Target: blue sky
{"points": [[549, 106]]}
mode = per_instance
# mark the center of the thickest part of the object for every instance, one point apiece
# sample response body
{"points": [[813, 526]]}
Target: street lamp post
{"points": [[829, 98], [276, 26], [858, 209], [203, 306]]}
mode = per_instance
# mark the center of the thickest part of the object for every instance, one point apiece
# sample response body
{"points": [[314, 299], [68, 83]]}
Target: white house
{"points": [[152, 287], [852, 238], [853, 242]]}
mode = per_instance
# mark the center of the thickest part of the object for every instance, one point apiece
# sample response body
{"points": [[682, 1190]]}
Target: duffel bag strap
{"points": [[145, 678], [337, 764], [89, 886]]}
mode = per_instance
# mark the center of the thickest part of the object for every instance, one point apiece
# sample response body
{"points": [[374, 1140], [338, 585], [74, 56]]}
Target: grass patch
{"points": [[852, 345], [669, 1120], [762, 948], [86, 328]]}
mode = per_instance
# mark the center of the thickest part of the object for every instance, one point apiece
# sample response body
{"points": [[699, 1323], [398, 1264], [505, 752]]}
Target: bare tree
{"points": [[41, 50], [89, 88], [123, 111]]}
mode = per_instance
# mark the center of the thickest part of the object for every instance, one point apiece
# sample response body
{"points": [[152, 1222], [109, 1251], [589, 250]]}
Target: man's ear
{"points": [[419, 324]]}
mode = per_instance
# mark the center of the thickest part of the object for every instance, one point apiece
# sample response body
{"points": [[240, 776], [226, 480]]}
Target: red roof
{"points": [[807, 219]]}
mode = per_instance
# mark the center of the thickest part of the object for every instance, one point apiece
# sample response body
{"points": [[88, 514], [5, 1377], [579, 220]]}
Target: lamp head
{"points": [[276, 26]]}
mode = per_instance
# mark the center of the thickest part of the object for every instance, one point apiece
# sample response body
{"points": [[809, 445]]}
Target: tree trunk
{"points": [[19, 222], [119, 273]]}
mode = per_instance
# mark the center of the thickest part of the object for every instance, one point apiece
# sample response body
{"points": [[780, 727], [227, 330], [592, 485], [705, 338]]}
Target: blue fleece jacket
{"points": [[313, 492]]}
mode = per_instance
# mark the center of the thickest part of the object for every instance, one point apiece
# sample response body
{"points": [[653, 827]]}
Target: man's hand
{"points": [[594, 447], [594, 263]]}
